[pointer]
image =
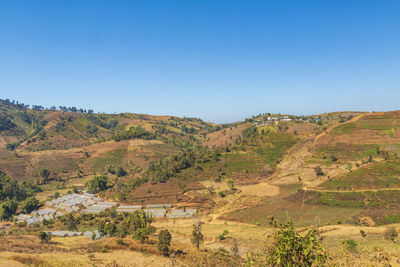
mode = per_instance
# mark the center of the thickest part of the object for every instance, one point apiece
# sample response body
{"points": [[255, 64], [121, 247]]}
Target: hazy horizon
{"points": [[198, 117]]}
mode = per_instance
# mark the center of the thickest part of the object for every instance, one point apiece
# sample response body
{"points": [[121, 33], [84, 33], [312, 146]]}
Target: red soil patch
{"points": [[225, 136]]}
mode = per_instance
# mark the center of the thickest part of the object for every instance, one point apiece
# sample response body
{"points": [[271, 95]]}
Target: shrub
{"points": [[142, 234], [230, 184], [44, 237], [30, 204], [289, 248], [28, 260], [363, 234], [390, 233], [8, 209], [110, 229], [350, 245], [223, 236], [97, 184], [110, 169], [121, 172], [44, 175], [318, 171]]}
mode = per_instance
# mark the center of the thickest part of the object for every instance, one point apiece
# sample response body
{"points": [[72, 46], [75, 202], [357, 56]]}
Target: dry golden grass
{"points": [[259, 190], [126, 257], [28, 260], [215, 185], [82, 251]]}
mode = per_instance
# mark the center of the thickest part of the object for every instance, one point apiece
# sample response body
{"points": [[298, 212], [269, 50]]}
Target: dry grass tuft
{"points": [[28, 260]]}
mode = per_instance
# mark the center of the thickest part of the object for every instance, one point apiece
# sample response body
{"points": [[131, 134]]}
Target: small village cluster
{"points": [[89, 203], [271, 120]]}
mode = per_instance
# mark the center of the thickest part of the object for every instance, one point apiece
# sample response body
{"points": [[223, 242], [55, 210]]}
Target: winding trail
{"points": [[350, 191]]}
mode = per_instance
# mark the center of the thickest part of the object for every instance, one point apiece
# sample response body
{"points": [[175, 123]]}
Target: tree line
{"points": [[22, 106]]}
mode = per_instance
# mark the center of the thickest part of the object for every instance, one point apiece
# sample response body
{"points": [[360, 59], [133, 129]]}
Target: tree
{"points": [[44, 174], [100, 229], [197, 236], [44, 237], [110, 229], [97, 184], [70, 222], [30, 204], [142, 234], [8, 209], [140, 225], [122, 229], [164, 241]]}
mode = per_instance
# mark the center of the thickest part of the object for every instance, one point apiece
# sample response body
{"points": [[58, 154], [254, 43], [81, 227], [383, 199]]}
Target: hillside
{"points": [[322, 170], [72, 142]]}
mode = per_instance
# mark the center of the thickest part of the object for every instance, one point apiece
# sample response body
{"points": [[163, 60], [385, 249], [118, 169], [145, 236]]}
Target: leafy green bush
{"points": [[224, 235], [289, 248], [133, 132], [164, 241], [8, 209], [30, 204], [97, 184], [350, 245], [142, 234], [44, 237], [363, 234]]}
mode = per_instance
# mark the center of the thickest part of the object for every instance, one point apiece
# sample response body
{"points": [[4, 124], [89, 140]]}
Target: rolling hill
{"points": [[319, 171]]}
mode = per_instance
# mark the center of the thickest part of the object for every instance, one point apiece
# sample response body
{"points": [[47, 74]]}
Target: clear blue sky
{"points": [[221, 61]]}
